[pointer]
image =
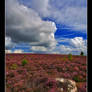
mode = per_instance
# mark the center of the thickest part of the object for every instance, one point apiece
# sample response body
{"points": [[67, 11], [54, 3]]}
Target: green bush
{"points": [[65, 59], [11, 56], [70, 57], [24, 56], [59, 69], [14, 66], [77, 79], [24, 62]]}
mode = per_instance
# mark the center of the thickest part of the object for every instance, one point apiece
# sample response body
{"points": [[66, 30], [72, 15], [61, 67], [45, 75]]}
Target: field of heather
{"points": [[36, 72]]}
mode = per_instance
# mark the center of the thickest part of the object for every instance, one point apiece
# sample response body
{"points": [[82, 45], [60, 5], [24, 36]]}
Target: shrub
{"points": [[64, 58], [14, 66], [82, 53], [11, 56], [59, 69], [78, 79], [24, 56], [11, 74], [24, 62], [70, 57]]}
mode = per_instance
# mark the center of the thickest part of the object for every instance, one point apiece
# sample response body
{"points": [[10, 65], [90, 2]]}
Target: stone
{"points": [[66, 85]]}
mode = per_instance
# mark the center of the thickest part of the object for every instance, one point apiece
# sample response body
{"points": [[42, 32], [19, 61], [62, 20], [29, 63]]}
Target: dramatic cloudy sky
{"points": [[46, 26]]}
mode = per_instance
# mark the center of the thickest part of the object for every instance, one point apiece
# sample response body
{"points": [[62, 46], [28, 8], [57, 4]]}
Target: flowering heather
{"points": [[38, 74]]}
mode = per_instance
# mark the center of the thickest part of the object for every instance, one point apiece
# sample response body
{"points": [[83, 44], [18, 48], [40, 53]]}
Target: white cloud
{"points": [[78, 42], [71, 13], [8, 51], [15, 51], [69, 49], [75, 46], [18, 51], [8, 42], [65, 49], [71, 45], [40, 6], [68, 12], [75, 17], [39, 48], [23, 24]]}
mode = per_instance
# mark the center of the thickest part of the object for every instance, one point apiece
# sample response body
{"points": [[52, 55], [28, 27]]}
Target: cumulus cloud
{"points": [[23, 24], [76, 45], [78, 42]]}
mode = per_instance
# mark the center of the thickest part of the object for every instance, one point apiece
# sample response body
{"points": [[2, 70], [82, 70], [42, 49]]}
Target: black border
{"points": [[2, 46]]}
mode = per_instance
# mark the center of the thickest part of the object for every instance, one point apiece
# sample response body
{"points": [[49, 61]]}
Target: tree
{"points": [[82, 53]]}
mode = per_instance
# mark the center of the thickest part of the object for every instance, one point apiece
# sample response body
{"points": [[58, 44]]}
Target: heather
{"points": [[37, 72]]}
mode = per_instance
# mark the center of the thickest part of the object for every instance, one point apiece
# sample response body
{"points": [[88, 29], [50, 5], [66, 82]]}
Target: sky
{"points": [[46, 26]]}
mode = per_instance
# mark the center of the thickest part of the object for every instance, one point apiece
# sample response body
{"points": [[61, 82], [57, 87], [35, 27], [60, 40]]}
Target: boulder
{"points": [[66, 85]]}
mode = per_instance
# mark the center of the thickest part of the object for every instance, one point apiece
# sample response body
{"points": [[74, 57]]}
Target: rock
{"points": [[66, 85]]}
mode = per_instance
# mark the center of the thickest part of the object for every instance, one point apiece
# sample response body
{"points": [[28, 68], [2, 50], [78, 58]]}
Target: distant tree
{"points": [[82, 53]]}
